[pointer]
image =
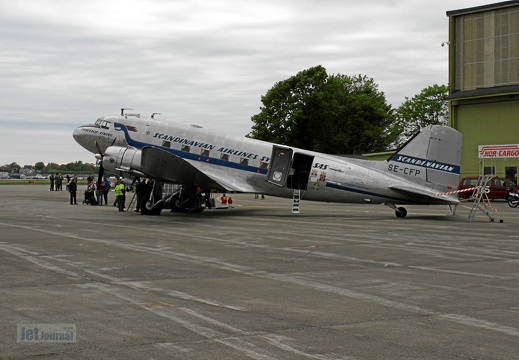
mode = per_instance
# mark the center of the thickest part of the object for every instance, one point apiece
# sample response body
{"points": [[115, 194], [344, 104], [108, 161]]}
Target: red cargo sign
{"points": [[498, 151]]}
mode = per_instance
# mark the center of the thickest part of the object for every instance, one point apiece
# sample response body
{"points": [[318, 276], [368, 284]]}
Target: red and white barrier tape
{"points": [[458, 191]]}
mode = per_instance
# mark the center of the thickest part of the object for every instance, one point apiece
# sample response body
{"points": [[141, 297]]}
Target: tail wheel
{"points": [[401, 212]]}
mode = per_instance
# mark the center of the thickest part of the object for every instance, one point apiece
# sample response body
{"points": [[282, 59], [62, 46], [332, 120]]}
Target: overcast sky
{"points": [[65, 63]]}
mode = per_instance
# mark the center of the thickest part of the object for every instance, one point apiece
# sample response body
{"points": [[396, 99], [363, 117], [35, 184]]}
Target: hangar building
{"points": [[484, 86]]}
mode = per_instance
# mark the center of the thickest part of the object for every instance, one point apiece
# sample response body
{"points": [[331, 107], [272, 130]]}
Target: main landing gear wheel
{"points": [[149, 209], [193, 204], [401, 212]]}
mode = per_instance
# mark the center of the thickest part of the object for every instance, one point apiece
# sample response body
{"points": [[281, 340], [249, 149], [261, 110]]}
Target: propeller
{"points": [[100, 156], [101, 169]]}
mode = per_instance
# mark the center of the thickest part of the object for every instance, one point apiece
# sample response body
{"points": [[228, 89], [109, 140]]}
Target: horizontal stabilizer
{"points": [[423, 193]]}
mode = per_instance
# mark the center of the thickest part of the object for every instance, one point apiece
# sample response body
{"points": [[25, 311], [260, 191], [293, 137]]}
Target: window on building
{"points": [[489, 170], [511, 173]]}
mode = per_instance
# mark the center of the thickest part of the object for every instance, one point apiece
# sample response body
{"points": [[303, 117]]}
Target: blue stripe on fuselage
{"points": [[428, 164], [187, 155]]}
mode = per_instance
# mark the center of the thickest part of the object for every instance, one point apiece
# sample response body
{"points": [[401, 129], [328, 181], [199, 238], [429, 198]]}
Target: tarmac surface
{"points": [[257, 282]]}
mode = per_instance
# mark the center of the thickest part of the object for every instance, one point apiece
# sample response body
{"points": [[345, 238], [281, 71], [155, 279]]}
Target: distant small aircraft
{"points": [[423, 171]]}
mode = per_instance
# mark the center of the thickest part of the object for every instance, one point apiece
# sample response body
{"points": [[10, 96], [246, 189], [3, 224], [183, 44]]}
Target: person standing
{"points": [[138, 191], [51, 178], [59, 182], [106, 190], [100, 191], [119, 194], [72, 188]]}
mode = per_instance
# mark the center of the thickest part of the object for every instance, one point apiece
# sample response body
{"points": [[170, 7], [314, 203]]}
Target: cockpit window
{"points": [[103, 124]]}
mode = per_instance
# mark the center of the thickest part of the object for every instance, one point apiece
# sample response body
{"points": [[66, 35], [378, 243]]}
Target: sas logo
{"points": [[320, 166]]}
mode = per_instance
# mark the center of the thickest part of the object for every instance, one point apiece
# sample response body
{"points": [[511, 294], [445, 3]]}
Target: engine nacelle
{"points": [[123, 161]]}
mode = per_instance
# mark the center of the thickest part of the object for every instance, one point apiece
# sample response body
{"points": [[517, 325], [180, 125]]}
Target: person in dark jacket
{"points": [[72, 188], [52, 177]]}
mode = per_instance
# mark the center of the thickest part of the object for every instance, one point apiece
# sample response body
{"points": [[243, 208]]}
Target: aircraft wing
{"points": [[166, 167], [424, 194]]}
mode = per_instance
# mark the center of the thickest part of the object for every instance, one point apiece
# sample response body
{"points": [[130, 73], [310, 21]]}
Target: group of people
{"points": [[97, 191], [56, 182], [94, 193], [143, 190]]}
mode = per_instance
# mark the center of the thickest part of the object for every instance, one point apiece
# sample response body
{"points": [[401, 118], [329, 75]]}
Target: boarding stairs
{"points": [[480, 199], [296, 197]]}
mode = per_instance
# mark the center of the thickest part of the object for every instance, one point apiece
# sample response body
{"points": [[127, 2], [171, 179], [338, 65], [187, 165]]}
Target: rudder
{"points": [[436, 153]]}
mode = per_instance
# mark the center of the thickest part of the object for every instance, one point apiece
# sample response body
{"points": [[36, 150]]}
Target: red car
{"points": [[499, 187]]}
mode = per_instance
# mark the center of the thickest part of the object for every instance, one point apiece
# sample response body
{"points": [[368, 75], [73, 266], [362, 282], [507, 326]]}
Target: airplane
{"points": [[425, 170]]}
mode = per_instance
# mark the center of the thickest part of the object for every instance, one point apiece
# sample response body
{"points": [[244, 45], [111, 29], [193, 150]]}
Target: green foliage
{"points": [[429, 107], [77, 167], [11, 168], [284, 107], [335, 114]]}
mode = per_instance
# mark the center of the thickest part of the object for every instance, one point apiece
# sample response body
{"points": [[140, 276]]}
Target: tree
{"points": [[39, 166], [14, 167], [353, 116], [335, 114], [283, 107], [429, 107]]}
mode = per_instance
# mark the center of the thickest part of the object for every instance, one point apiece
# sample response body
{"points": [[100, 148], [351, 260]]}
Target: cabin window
{"points": [[186, 148], [205, 152], [224, 157], [166, 144], [244, 161], [264, 165]]}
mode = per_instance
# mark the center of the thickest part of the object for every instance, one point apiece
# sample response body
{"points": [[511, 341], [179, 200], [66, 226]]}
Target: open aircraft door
{"points": [[279, 165], [289, 169]]}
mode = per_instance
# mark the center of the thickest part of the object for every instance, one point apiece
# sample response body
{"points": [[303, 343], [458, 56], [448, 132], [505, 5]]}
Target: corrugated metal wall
{"points": [[487, 49]]}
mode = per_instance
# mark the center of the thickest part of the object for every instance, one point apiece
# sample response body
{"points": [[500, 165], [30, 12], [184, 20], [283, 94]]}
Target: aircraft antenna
{"points": [[122, 110]]}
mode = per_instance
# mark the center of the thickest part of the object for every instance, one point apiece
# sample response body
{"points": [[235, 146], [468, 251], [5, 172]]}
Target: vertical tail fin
{"points": [[431, 156]]}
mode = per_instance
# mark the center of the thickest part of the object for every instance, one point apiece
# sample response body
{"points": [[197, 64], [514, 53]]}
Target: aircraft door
{"points": [[279, 165], [300, 171]]}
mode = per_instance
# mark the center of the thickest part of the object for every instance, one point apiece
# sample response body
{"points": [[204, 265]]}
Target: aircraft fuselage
{"points": [[242, 164]]}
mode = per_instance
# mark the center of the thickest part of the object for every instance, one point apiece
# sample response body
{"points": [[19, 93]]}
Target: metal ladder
{"points": [[480, 195], [296, 200]]}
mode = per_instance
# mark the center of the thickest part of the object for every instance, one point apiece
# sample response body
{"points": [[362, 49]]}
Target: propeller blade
{"points": [[98, 148], [101, 169], [100, 174]]}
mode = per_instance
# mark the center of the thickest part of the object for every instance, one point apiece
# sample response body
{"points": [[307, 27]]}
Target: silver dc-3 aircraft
{"points": [[423, 171]]}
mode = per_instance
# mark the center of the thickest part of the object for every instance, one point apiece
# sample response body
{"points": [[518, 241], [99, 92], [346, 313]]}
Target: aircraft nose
{"points": [[85, 138]]}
